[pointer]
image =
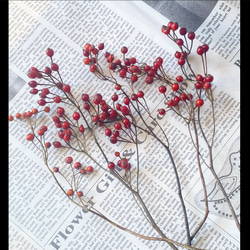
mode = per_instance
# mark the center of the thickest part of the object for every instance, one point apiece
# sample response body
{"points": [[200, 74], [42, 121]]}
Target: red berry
{"points": [[199, 78], [95, 118], [126, 123], [149, 79], [49, 52], [86, 106], [124, 163], [56, 169], [54, 67], [181, 61], [76, 116], [47, 144], [165, 29], [170, 103], [85, 53], [207, 85], [150, 72], [114, 97], [65, 125], [66, 88], [134, 97], [134, 78], [175, 86], [179, 78], [85, 97], [125, 110], [108, 132], [57, 99], [191, 35], [179, 42], [89, 169], [124, 50], [198, 85], [113, 139], [199, 102], [86, 61], [47, 70], [174, 26], [30, 137], [93, 68], [41, 102], [61, 133], [126, 100], [177, 54], [83, 171], [87, 46], [162, 89], [106, 55], [200, 50], [183, 31], [60, 111], [123, 73], [118, 126], [70, 192], [112, 114], [103, 116], [77, 165], [111, 165], [132, 60], [69, 160], [209, 78], [79, 194], [40, 132], [32, 73], [11, 118], [81, 129], [147, 68], [140, 94], [33, 91], [57, 144], [161, 111], [32, 84], [97, 99], [205, 47], [101, 46]]}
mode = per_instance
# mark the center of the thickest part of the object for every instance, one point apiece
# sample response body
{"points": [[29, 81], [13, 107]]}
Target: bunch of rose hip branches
{"points": [[121, 119]]}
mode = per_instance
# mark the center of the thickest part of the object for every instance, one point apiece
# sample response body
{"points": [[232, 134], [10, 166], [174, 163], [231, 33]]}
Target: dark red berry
{"points": [[49, 52], [57, 144], [101, 46], [149, 79], [97, 99], [60, 111], [191, 35], [113, 139], [54, 67], [124, 50]]}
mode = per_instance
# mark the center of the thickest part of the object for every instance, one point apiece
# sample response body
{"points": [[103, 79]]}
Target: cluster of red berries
{"points": [[127, 68], [101, 111], [45, 93], [66, 127], [78, 169], [171, 31]]}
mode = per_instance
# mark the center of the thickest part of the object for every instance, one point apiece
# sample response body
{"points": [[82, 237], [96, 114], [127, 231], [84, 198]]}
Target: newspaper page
{"points": [[40, 216]]}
